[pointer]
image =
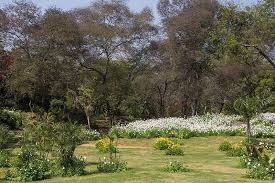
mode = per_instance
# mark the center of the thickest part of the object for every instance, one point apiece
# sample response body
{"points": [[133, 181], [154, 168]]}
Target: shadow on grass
{"points": [[91, 163]]}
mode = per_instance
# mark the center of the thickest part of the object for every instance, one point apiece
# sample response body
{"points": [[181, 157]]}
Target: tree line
{"points": [[105, 61]]}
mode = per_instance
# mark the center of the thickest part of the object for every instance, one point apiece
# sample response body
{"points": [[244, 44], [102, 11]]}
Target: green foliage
{"points": [[58, 139], [175, 167], [237, 151], [225, 146], [5, 137], [57, 109], [174, 150], [111, 166], [70, 167], [259, 171], [262, 167], [247, 106], [13, 119], [163, 143], [171, 133], [66, 138], [105, 145], [40, 135], [260, 160], [4, 159], [90, 135], [31, 167]]}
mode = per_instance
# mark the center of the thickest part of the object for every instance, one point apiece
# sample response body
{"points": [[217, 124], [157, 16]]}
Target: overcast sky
{"points": [[135, 5]]}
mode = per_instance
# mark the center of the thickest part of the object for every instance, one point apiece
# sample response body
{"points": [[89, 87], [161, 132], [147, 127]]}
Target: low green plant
{"points": [[104, 145], [175, 166], [225, 146], [163, 143], [235, 151], [4, 159], [13, 119], [111, 165], [259, 171], [5, 137], [174, 150], [72, 167], [31, 167]]}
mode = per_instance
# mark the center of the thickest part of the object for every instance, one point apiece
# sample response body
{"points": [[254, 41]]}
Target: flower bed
{"points": [[207, 125]]}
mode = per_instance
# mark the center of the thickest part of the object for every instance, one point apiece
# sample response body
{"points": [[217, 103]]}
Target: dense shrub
{"points": [[73, 166], [260, 160], [67, 137], [30, 166], [225, 146], [259, 168], [163, 143], [176, 166], [13, 119], [110, 166], [174, 150], [5, 137], [59, 140], [39, 135], [4, 159]]}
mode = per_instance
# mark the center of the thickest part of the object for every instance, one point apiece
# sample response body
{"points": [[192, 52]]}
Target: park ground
{"points": [[206, 163]]}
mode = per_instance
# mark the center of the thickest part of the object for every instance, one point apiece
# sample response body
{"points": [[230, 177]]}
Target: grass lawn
{"points": [[207, 164]]}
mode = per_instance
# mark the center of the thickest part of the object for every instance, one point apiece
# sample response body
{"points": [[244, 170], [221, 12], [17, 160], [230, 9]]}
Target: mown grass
{"points": [[202, 157]]}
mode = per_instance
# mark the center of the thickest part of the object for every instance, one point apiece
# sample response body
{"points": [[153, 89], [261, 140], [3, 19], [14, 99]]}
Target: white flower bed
{"points": [[197, 123], [215, 123], [264, 124]]}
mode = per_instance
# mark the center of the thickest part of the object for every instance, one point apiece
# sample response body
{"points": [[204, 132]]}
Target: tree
{"points": [[41, 46], [85, 99], [112, 33], [187, 24], [247, 107]]}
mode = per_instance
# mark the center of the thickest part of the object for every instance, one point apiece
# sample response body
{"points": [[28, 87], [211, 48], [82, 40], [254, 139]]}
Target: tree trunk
{"points": [[248, 129], [221, 108], [88, 118]]}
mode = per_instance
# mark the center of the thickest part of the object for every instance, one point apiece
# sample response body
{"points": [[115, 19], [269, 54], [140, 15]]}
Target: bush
{"points": [[60, 140], [13, 119], [66, 138], [225, 146], [74, 166], [105, 145], [175, 167], [40, 135], [4, 159], [235, 151], [111, 166], [5, 137], [259, 171], [163, 143], [174, 150], [30, 166]]}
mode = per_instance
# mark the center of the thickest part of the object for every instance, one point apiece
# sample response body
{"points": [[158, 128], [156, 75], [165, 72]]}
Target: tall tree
{"points": [[187, 24]]}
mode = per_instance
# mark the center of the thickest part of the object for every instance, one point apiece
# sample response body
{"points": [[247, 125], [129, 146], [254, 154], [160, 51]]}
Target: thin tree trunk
{"points": [[88, 118], [221, 108], [248, 129]]}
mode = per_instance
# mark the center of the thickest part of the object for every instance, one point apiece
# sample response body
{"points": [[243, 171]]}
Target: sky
{"points": [[135, 5]]}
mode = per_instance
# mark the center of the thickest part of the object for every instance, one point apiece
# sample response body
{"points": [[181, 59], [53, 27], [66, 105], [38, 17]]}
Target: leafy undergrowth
{"points": [[204, 161]]}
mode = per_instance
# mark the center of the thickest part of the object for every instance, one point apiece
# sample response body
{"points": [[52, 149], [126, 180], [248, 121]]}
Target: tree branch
{"points": [[261, 52]]}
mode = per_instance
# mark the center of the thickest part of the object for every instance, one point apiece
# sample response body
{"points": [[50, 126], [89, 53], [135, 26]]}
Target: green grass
{"points": [[202, 157]]}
